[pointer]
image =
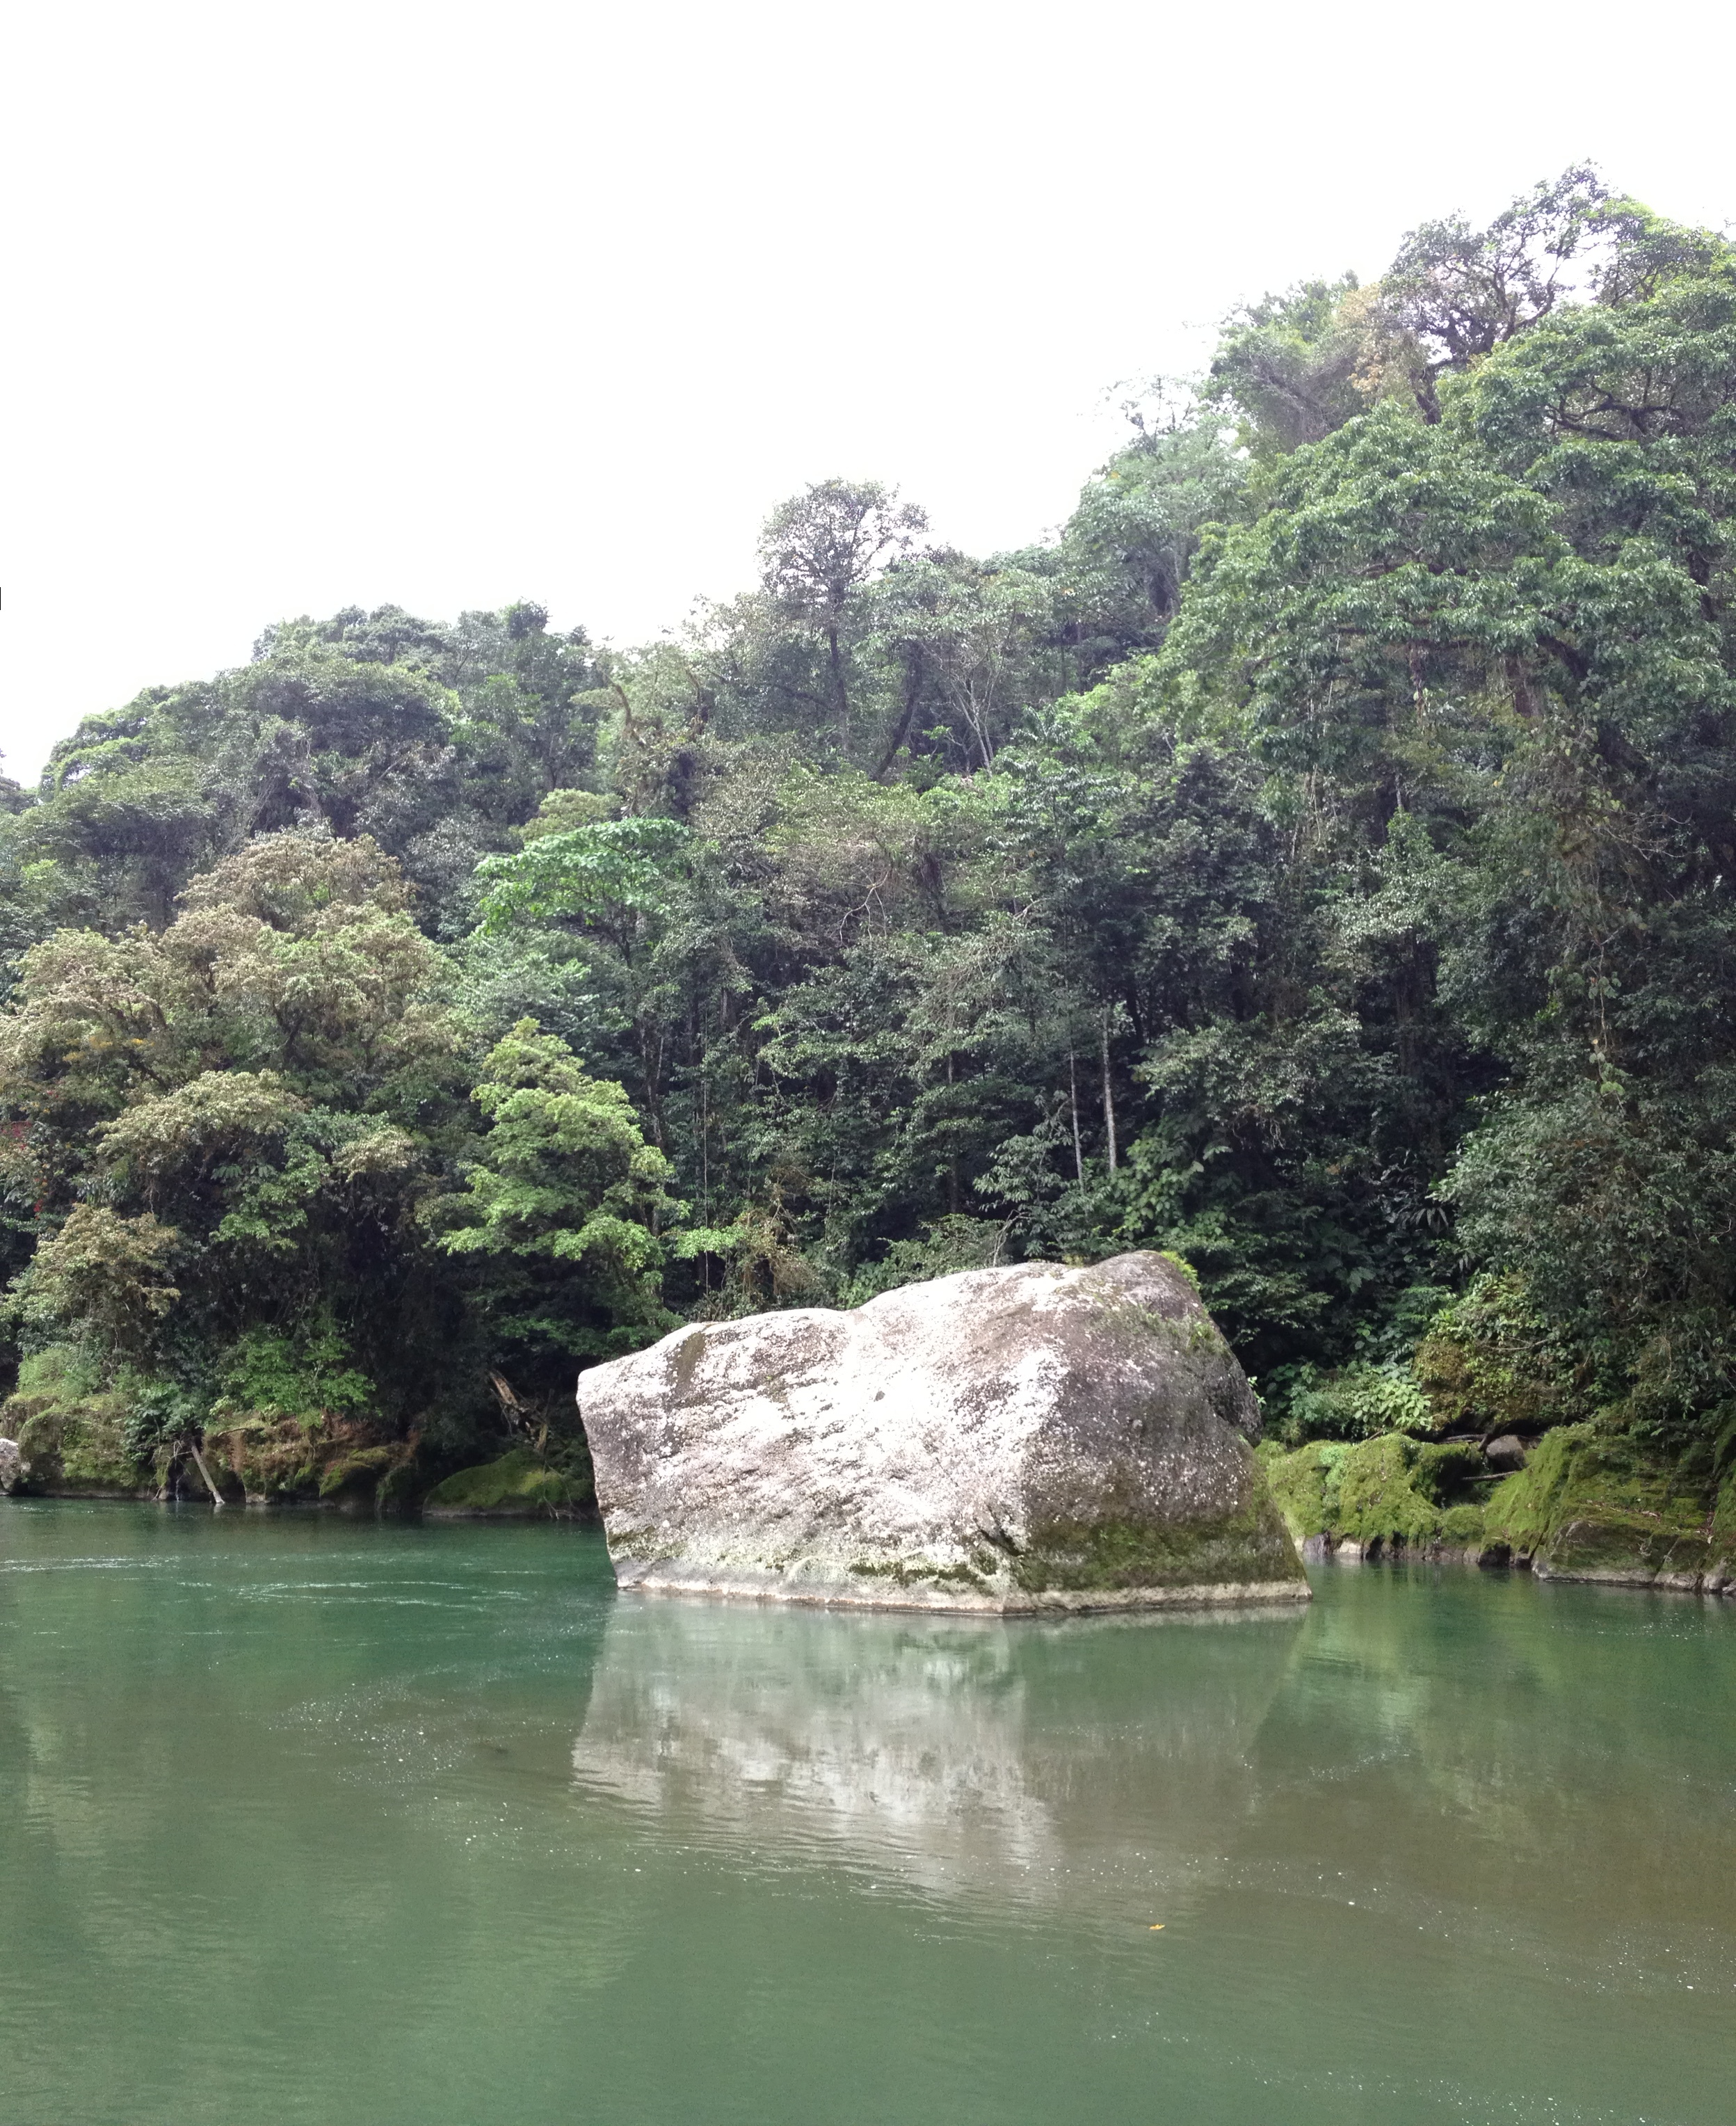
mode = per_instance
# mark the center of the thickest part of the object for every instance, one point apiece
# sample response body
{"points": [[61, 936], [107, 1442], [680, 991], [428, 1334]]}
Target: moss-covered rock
{"points": [[1389, 1493], [1595, 1504], [1046, 1436], [1253, 1541], [72, 1433], [1298, 1480], [273, 1457], [518, 1484], [1392, 1491]]}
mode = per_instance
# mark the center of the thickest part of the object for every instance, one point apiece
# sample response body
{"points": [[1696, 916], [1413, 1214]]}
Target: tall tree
{"points": [[819, 550]]}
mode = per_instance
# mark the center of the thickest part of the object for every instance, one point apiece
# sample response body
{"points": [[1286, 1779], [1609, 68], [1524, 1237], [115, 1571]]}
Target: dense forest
{"points": [[1316, 861]]}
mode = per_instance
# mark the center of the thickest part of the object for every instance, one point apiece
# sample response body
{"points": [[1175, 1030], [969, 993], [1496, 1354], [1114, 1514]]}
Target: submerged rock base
{"points": [[1035, 1438], [918, 1595]]}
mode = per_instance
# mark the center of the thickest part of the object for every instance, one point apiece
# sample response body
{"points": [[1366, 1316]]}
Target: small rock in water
{"points": [[1032, 1438], [11, 1465]]}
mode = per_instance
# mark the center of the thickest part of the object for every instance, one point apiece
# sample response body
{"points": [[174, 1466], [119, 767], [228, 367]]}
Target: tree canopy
{"points": [[1316, 859]]}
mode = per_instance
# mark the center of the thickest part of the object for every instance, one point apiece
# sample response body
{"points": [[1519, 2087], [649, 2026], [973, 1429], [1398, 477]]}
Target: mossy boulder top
{"points": [[1031, 1438]]}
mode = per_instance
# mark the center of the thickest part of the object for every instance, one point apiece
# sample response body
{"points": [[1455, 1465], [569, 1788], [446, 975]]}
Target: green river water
{"points": [[308, 1819]]}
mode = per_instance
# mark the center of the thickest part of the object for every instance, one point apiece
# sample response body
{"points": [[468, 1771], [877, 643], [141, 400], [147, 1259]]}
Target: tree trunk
{"points": [[952, 1169], [840, 696], [1109, 1098], [907, 717], [216, 1495]]}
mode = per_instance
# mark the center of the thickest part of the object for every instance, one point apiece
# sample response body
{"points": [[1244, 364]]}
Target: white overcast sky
{"points": [[320, 304]]}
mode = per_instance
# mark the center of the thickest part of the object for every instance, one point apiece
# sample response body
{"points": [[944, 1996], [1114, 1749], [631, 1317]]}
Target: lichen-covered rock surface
{"points": [[1029, 1438]]}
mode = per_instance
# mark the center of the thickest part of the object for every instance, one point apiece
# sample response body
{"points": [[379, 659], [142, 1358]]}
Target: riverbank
{"points": [[332, 1474], [62, 1435], [1586, 1504]]}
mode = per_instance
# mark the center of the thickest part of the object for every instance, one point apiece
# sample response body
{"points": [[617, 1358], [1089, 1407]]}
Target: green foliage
{"points": [[564, 811], [274, 1375], [233, 1133], [612, 863], [73, 1426], [212, 1119], [1354, 1402], [1314, 861], [1298, 366], [1510, 624], [946, 1246], [1491, 1362], [1291, 364], [818, 551], [104, 1275], [561, 1205]]}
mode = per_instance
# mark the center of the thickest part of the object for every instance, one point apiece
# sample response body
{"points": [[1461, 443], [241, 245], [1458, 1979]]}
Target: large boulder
{"points": [[11, 1465], [1035, 1438]]}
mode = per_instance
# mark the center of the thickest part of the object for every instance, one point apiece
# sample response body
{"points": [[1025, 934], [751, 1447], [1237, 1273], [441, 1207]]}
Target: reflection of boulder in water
{"points": [[1104, 1756]]}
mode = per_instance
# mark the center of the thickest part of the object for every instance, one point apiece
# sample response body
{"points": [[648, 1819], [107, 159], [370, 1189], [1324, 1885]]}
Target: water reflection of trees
{"points": [[1475, 1743]]}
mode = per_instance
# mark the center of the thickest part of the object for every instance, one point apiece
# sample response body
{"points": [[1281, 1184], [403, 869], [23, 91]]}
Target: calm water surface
{"points": [[303, 1820]]}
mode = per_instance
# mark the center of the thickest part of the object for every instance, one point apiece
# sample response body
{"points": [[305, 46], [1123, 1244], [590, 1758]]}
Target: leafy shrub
{"points": [[945, 1245], [277, 1375], [1489, 1363], [1350, 1402]]}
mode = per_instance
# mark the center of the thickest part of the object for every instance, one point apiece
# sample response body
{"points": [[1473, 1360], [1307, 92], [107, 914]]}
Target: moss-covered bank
{"points": [[74, 1438], [517, 1485], [1388, 1493], [1590, 1504], [77, 1438], [1593, 1505]]}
